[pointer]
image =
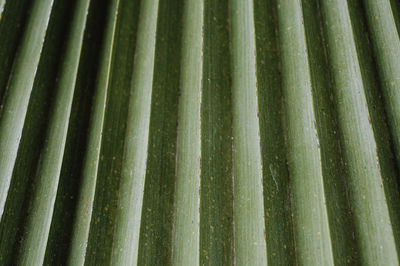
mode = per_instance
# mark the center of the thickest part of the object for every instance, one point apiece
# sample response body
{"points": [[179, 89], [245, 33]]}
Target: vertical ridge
{"points": [[128, 216], [19, 88], [277, 203], [369, 163], [157, 212], [12, 22], [196, 132], [186, 228], [321, 211], [83, 215], [341, 224], [102, 224], [313, 243], [334, 177], [386, 43], [39, 219], [248, 209], [59, 240], [32, 137]]}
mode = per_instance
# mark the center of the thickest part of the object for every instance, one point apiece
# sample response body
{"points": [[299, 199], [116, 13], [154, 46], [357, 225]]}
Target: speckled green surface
{"points": [[18, 91], [216, 228], [248, 205], [33, 136], [199, 132], [186, 225], [383, 21], [321, 212], [372, 176], [49, 166], [100, 240], [276, 185]]}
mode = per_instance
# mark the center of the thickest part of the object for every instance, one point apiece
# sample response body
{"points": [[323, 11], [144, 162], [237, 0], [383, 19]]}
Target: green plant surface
{"points": [[102, 223], [186, 132], [19, 88], [81, 227], [276, 185], [157, 211], [216, 205], [39, 219], [321, 212], [186, 225], [383, 20], [12, 19], [372, 184], [248, 205], [2, 3], [133, 173], [33, 135]]}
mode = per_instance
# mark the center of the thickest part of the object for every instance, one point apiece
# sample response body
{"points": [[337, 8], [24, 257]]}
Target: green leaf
{"points": [[186, 226], [248, 208], [92, 158], [46, 183], [384, 23], [372, 184], [133, 172], [240, 132], [18, 92], [321, 213]]}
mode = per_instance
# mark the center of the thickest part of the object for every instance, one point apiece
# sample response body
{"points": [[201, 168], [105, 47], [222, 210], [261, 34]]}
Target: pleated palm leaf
{"points": [[199, 132]]}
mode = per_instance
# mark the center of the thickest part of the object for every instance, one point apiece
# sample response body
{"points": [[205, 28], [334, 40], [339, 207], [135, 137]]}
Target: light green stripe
{"points": [[386, 43], [186, 239], [372, 186], [19, 89], [127, 228], [248, 209], [39, 220], [313, 243], [157, 211], [81, 228], [277, 194]]}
